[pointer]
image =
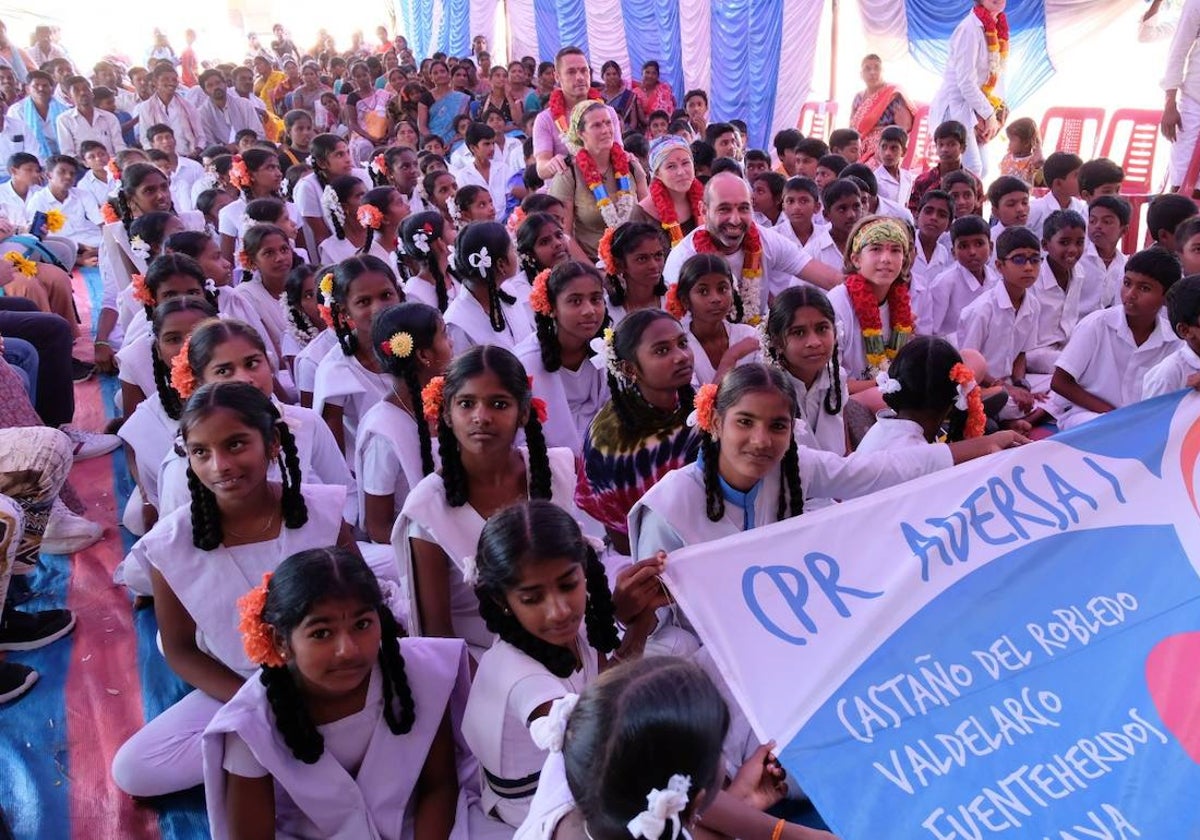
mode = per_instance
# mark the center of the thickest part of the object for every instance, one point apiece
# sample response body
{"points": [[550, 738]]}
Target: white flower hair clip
{"points": [[451, 255], [394, 600], [333, 205], [139, 248], [310, 163], [210, 286], [470, 571], [961, 402], [765, 348], [420, 241], [604, 354], [455, 213], [480, 261], [662, 806], [548, 731], [886, 384]]}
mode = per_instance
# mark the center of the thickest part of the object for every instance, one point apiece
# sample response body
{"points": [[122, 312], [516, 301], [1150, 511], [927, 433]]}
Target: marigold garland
{"points": [[109, 213], [976, 424], [539, 296], [23, 266], [55, 220], [870, 323], [258, 638], [431, 398], [706, 408], [182, 378], [604, 249], [558, 107], [673, 304], [750, 282], [369, 216], [141, 292], [239, 174], [664, 205], [995, 31], [613, 214]]}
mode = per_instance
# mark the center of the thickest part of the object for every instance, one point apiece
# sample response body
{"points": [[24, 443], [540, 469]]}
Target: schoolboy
{"points": [[895, 182], [845, 142], [766, 196], [961, 283], [659, 120], [1105, 362], [808, 152], [96, 182], [1061, 173], [842, 203], [1100, 177], [800, 201], [1009, 197], [24, 179], [872, 202], [950, 140], [932, 256], [482, 168], [829, 169], [183, 172], [757, 162], [1103, 264], [724, 138], [1058, 289], [786, 143], [1165, 213], [1182, 368], [81, 212]]}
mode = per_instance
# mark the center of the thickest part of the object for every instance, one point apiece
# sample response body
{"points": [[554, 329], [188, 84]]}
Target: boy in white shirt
{"points": [[1061, 173], [962, 283], [1002, 323], [1182, 368], [86, 122], [931, 256], [83, 218], [1009, 197], [1058, 289], [873, 203], [483, 169], [895, 182], [842, 203], [800, 202], [182, 171], [1102, 263], [97, 181], [1105, 363], [25, 178]]}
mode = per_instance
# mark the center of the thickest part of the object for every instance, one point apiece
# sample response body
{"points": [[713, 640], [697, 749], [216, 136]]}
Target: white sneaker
{"points": [[67, 533], [90, 444]]}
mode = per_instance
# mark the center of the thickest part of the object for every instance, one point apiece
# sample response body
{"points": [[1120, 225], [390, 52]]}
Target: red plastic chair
{"points": [[916, 157], [1069, 127], [816, 119], [1133, 136]]}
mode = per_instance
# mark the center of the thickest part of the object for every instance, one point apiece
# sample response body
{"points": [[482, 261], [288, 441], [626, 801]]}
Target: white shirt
{"points": [[891, 432], [81, 210], [307, 194], [1104, 359], [12, 206], [496, 183], [97, 189], [40, 56], [949, 293], [894, 189], [73, 128], [893, 209], [178, 114], [822, 248], [1059, 309], [1001, 333], [1181, 72], [1041, 208], [829, 430], [187, 173], [15, 138], [1171, 374], [232, 219], [1101, 283], [924, 270], [221, 125], [966, 70], [784, 228]]}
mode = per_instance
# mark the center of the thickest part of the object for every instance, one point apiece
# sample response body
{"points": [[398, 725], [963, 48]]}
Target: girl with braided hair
{"points": [[330, 158], [204, 556], [568, 313], [541, 244], [381, 212], [427, 239], [393, 449], [634, 256], [268, 255], [348, 730], [302, 312], [274, 211], [256, 174], [543, 591], [706, 301], [349, 381], [438, 188], [479, 407], [484, 258], [342, 200], [149, 432]]}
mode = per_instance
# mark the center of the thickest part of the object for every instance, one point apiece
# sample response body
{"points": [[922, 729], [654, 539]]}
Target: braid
{"points": [[599, 615], [295, 511], [213, 297], [547, 336], [414, 393], [495, 313], [790, 489], [541, 479], [557, 660], [616, 295], [714, 502], [319, 174], [439, 283], [367, 242], [124, 210], [338, 230], [396, 690], [833, 398], [347, 338], [171, 403], [454, 477], [620, 401], [687, 399], [660, 288], [248, 193], [206, 518], [291, 715], [739, 308]]}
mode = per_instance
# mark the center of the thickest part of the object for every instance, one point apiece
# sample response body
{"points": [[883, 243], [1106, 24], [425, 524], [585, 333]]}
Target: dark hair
{"points": [[266, 211], [466, 195], [169, 397], [1097, 173], [300, 582], [343, 186], [1166, 211], [840, 137], [436, 223], [787, 139], [1061, 220], [255, 159], [951, 130], [937, 195], [758, 155], [190, 243], [484, 358], [1114, 204], [1183, 302], [90, 145], [726, 164], [541, 203], [695, 92], [528, 234], [206, 201], [211, 334], [863, 173], [625, 239], [713, 131], [430, 178], [960, 176], [547, 329], [344, 275], [1014, 239], [699, 266], [478, 131], [1158, 264], [799, 183], [166, 266], [255, 410], [1060, 165], [636, 144], [835, 191], [293, 294], [741, 380], [421, 322], [774, 181], [894, 134], [1004, 185], [922, 367], [132, 177], [626, 338], [834, 162], [159, 128], [969, 226], [534, 532], [256, 234], [319, 151], [633, 729], [379, 198], [152, 228], [783, 309], [472, 240], [813, 147]]}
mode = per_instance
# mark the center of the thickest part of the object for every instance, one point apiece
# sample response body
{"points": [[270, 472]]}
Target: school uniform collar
{"points": [[733, 496], [972, 282], [1120, 326]]}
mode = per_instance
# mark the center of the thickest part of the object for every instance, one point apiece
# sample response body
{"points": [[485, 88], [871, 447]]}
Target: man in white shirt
{"points": [[87, 122], [243, 87], [728, 217], [44, 49], [222, 116], [183, 172], [104, 74], [166, 107], [1181, 114], [14, 135], [82, 213]]}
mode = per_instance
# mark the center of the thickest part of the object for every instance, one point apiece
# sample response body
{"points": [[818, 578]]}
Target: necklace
{"points": [[399, 403], [256, 534]]}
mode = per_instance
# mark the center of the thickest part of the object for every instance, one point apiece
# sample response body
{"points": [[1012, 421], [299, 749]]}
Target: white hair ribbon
{"points": [[960, 402], [210, 286], [886, 384], [421, 241], [470, 571], [480, 261], [548, 731], [661, 806]]}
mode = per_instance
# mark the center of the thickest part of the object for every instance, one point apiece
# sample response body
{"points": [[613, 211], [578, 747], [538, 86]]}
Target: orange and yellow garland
{"points": [[870, 323], [749, 286], [976, 424], [665, 207], [995, 30]]}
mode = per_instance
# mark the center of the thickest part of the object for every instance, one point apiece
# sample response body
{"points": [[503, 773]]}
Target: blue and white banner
{"points": [[1007, 649]]}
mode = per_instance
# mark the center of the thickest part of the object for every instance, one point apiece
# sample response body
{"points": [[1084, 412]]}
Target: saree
{"points": [[443, 111], [871, 114]]}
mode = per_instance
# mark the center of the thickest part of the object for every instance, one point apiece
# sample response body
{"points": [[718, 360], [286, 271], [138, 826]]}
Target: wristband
{"points": [[100, 342], [777, 832]]}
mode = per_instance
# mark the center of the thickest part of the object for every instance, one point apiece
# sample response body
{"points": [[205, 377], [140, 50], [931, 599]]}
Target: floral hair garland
{"points": [[333, 205], [539, 296], [140, 291], [431, 398], [604, 355], [109, 213], [183, 380], [239, 174], [537, 405], [673, 304], [704, 415], [139, 248], [325, 298], [379, 165], [969, 399], [302, 335], [750, 284], [369, 216], [604, 249], [258, 638]]}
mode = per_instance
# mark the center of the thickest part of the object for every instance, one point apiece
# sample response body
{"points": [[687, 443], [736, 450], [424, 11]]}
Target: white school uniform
{"points": [[343, 381], [250, 301], [420, 290], [496, 183], [307, 194], [924, 270], [387, 456], [893, 210], [178, 114], [14, 208], [333, 250], [468, 324], [187, 173], [829, 430], [896, 189], [1104, 360], [232, 220], [73, 129], [365, 782], [784, 228], [890, 433], [509, 685], [822, 248], [97, 189], [852, 349], [949, 293], [135, 365], [782, 261], [704, 372], [1101, 286], [1001, 333], [573, 397], [82, 213], [427, 516], [1041, 208], [1058, 313], [150, 432], [304, 366], [1171, 374]]}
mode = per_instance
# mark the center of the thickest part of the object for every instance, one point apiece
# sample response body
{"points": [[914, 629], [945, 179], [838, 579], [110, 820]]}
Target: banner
{"points": [[1007, 649]]}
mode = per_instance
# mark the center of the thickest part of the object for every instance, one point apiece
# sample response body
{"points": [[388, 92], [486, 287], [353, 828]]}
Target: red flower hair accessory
{"points": [[141, 292], [537, 405], [258, 638], [539, 297], [969, 399], [239, 174], [182, 378], [604, 249], [673, 304], [431, 398], [704, 415], [369, 216]]}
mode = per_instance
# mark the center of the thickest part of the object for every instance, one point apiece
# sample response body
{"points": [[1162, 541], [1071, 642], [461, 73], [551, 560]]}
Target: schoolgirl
{"points": [[427, 240], [274, 211], [438, 187], [380, 214], [541, 244], [706, 301], [256, 174], [484, 313], [393, 449], [308, 359], [341, 200], [568, 313], [148, 234], [267, 252], [634, 255], [303, 323], [330, 158], [473, 204]]}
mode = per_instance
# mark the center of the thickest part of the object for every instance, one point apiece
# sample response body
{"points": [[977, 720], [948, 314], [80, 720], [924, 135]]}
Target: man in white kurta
{"points": [[1181, 81]]}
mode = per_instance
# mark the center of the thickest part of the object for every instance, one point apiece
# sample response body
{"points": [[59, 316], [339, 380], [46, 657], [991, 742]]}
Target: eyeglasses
{"points": [[1022, 260]]}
